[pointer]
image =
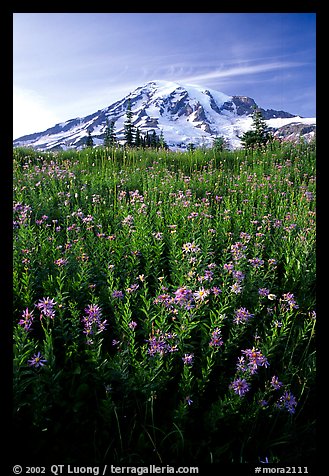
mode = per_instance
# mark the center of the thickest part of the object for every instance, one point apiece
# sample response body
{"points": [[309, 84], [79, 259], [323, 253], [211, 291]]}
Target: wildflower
{"points": [[263, 403], [117, 294], [216, 338], [275, 382], [240, 386], [215, 290], [288, 402], [190, 248], [242, 315], [237, 251], [161, 343], [158, 235], [201, 294], [277, 324], [60, 262], [128, 220], [132, 288], [27, 319], [289, 300], [263, 292], [272, 262], [46, 306], [188, 400], [132, 325], [236, 288], [256, 262], [188, 359], [255, 359], [271, 297], [238, 275], [228, 267], [241, 365], [183, 296], [92, 320], [37, 361], [309, 196]]}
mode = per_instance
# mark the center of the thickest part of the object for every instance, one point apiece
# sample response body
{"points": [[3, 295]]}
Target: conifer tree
{"points": [[138, 138], [89, 141], [154, 140], [260, 136], [219, 144], [106, 142], [162, 142], [110, 137], [128, 126]]}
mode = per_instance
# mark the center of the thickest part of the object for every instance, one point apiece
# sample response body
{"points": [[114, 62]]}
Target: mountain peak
{"points": [[183, 112]]}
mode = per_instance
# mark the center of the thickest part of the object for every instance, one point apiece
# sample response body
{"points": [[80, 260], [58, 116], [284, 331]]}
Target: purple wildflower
{"points": [[161, 343], [238, 275], [242, 315], [188, 359], [228, 267], [132, 325], [188, 400], [263, 292], [216, 338], [256, 359], [27, 319], [289, 301], [37, 361], [216, 290], [275, 382], [236, 288], [46, 306], [190, 248], [240, 386], [237, 251], [183, 296], [132, 288], [256, 262], [92, 320], [60, 262], [287, 402], [117, 294]]}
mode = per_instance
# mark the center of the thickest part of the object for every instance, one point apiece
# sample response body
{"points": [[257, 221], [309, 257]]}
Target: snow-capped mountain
{"points": [[184, 113]]}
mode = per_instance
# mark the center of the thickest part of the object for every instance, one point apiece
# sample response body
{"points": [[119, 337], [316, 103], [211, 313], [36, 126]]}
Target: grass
{"points": [[172, 298]]}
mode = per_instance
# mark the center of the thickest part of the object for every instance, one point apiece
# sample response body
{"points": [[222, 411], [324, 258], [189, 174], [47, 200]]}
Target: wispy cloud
{"points": [[241, 70]]}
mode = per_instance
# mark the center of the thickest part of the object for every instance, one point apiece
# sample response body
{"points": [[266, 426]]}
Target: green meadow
{"points": [[164, 305]]}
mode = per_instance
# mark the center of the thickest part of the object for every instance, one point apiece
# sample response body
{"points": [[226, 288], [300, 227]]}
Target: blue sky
{"points": [[68, 65]]}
